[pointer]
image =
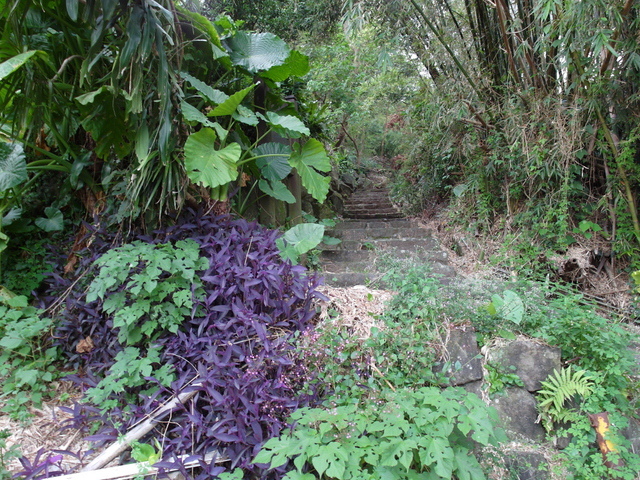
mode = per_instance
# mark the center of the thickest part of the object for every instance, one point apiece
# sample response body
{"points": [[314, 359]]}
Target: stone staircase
{"points": [[373, 226]]}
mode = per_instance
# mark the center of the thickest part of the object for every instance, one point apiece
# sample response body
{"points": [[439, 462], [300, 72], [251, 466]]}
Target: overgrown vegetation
{"points": [[131, 116]]}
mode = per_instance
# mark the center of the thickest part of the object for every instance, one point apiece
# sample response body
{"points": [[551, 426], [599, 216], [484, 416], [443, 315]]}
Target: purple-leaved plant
{"points": [[236, 350]]}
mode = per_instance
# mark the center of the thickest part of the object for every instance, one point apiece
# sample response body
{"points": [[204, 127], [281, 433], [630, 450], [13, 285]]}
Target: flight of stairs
{"points": [[373, 226]]}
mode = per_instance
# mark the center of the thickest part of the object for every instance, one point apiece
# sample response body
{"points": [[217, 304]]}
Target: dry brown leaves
{"points": [[356, 309], [44, 430]]}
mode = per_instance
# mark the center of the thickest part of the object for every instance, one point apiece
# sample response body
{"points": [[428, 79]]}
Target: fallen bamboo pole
{"points": [[136, 433], [132, 470]]}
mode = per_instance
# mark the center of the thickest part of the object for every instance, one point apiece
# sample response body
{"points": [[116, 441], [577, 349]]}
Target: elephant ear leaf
{"points": [[53, 222], [207, 166], [309, 160], [13, 166], [257, 51], [273, 160], [277, 190]]}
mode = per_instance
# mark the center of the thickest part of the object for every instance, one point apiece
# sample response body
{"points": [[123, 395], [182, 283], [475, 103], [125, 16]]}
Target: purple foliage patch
{"points": [[236, 352]]}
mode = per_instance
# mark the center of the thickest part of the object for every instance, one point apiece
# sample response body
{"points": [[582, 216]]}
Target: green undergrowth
{"points": [[385, 408]]}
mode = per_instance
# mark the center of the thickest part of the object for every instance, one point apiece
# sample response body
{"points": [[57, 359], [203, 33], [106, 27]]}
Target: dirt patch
{"points": [[45, 429]]}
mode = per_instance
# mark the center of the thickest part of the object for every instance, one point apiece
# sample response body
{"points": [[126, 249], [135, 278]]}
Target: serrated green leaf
{"points": [[308, 161], [11, 342], [11, 216], [207, 166]]}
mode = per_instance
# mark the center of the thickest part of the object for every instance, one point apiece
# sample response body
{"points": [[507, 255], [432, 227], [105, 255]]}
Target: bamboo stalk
{"points": [[137, 432], [133, 470]]}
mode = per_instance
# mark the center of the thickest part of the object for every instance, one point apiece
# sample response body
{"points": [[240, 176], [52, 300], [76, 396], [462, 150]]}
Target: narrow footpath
{"points": [[373, 227]]}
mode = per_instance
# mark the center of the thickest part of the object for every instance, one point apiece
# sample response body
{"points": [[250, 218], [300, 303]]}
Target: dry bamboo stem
{"points": [[136, 433]]}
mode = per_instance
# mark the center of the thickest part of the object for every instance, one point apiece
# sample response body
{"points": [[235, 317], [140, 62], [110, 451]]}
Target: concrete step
{"points": [[373, 214]]}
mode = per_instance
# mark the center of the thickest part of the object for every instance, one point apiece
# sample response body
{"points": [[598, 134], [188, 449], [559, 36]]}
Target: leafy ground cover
{"points": [[355, 396]]}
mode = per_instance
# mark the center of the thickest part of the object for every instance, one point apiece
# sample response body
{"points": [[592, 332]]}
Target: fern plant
{"points": [[560, 388]]}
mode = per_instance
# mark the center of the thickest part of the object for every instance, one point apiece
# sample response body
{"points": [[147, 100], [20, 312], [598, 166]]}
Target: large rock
{"points": [[527, 466], [462, 357], [533, 362], [632, 433], [518, 414]]}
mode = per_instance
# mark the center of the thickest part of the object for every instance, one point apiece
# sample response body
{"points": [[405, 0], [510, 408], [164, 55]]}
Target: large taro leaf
{"points": [[287, 126], [207, 166], [275, 166], [277, 190], [231, 104], [208, 92], [13, 166], [53, 222], [257, 51], [309, 160], [296, 65], [299, 240]]}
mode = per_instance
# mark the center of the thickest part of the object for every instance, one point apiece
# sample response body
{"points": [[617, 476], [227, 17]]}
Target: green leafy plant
{"points": [[559, 398], [27, 361], [157, 281], [509, 306], [498, 379], [398, 435], [300, 239], [7, 454]]}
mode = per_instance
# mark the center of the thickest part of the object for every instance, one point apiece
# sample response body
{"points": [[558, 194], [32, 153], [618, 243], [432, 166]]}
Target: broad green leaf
{"points": [[11, 216], [246, 115], [207, 166], [11, 342], [90, 97], [304, 237], [211, 94], [513, 308], [230, 105], [275, 166], [14, 63], [257, 51], [277, 190], [192, 114], [203, 24], [13, 167], [309, 161], [296, 64], [287, 125], [53, 222], [467, 466]]}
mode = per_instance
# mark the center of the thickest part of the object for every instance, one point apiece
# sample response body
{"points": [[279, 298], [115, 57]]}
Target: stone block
{"points": [[533, 361], [463, 359], [527, 466], [518, 414]]}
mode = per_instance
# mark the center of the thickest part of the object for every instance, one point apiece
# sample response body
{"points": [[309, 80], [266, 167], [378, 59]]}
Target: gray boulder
{"points": [[462, 363], [533, 361], [518, 415], [527, 466]]}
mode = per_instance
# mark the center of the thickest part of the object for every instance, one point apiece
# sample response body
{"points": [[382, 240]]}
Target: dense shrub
{"points": [[234, 348]]}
